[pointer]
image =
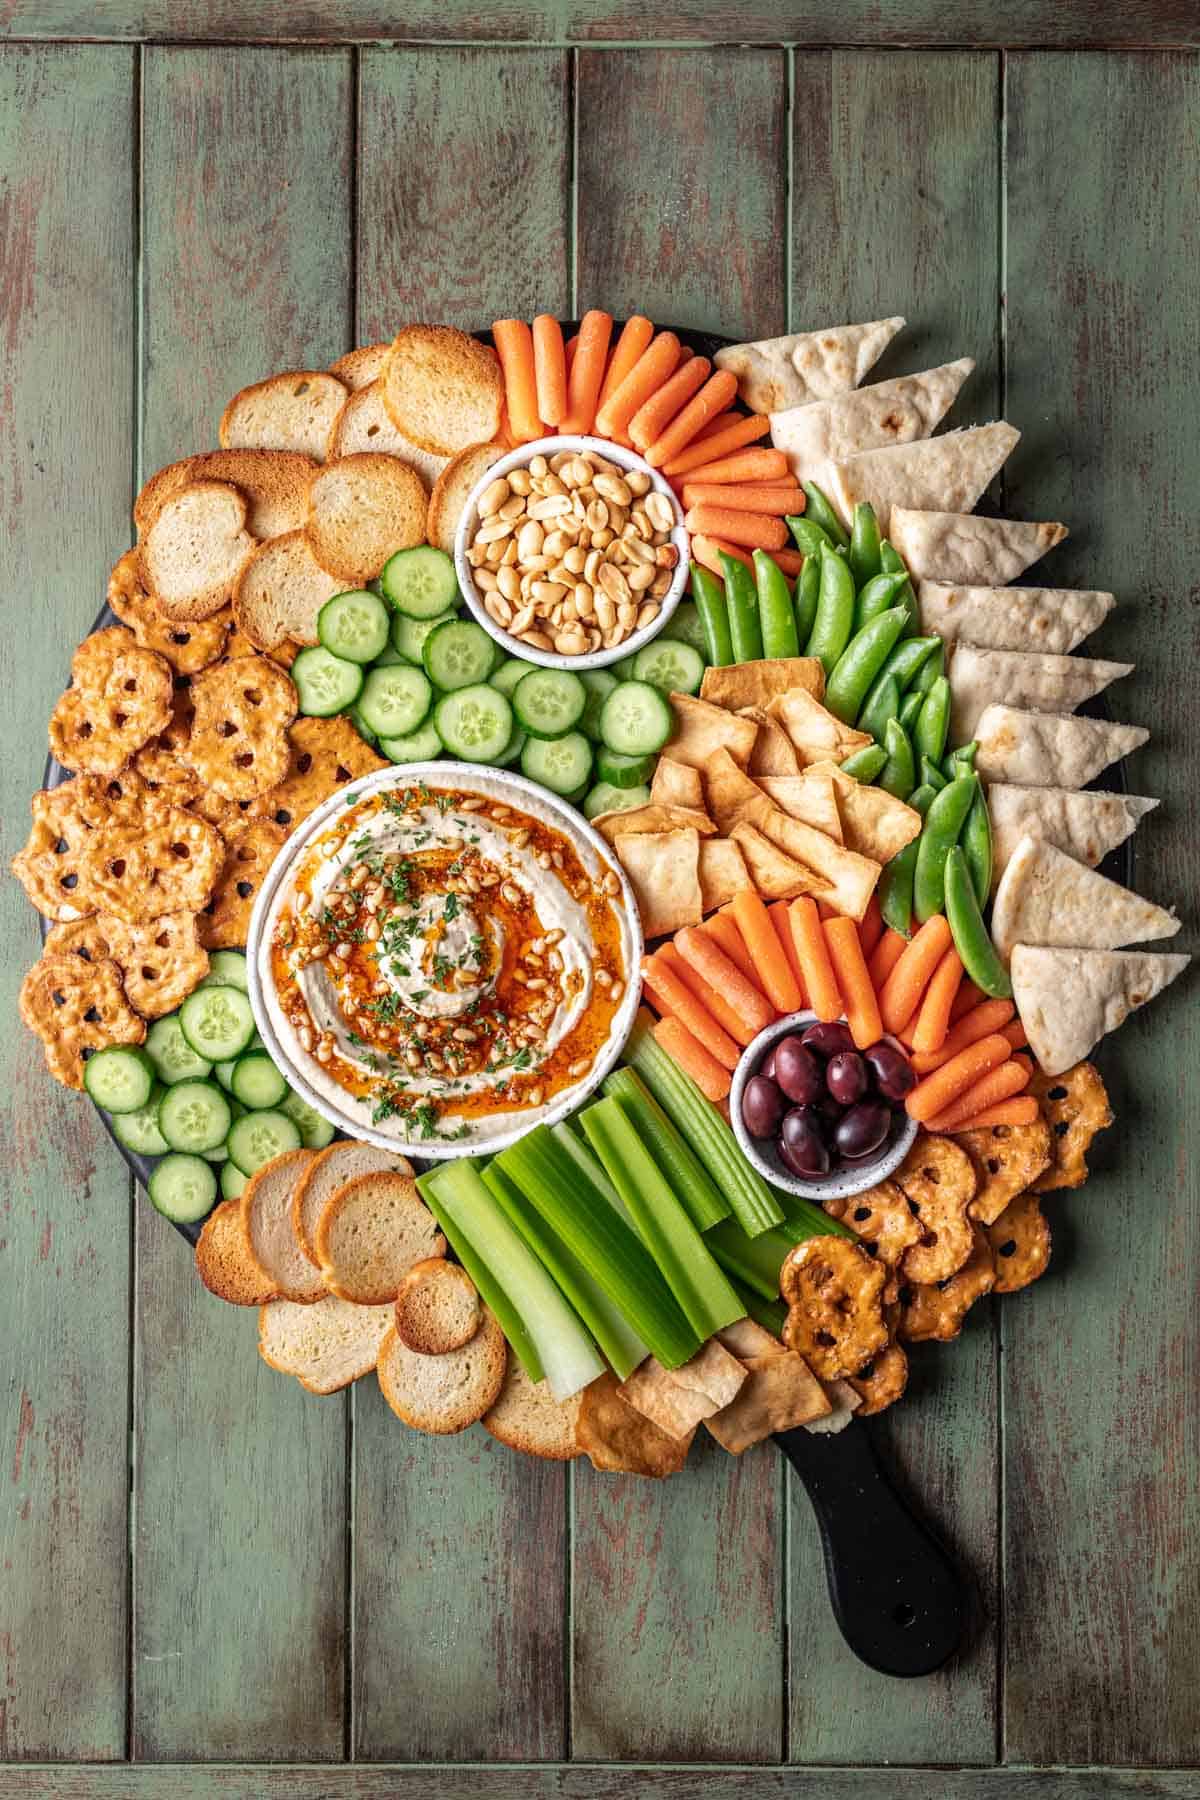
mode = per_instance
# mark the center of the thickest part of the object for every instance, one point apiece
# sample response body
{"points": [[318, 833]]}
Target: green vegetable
{"points": [[494, 1296], [821, 513], [709, 596], [688, 1177], [971, 940], [456, 1192], [896, 882], [860, 662], [976, 843], [910, 708], [876, 597], [899, 775], [960, 761], [908, 658], [755, 1262], [741, 598], [835, 612], [864, 544], [704, 1294], [882, 704], [865, 764], [931, 669], [808, 587], [699, 1122], [770, 1314], [568, 1139], [945, 819], [931, 775], [776, 614], [929, 739], [892, 563], [809, 536]]}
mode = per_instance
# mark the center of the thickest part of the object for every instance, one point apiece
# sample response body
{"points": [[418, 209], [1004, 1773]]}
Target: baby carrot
{"points": [[683, 1005], [885, 956], [1016, 1034], [967, 996], [656, 413], [933, 1019], [722, 928], [871, 928], [901, 993], [743, 496], [697, 948], [713, 398], [745, 465], [980, 1022], [854, 980], [713, 1081], [569, 349], [812, 953], [586, 373], [634, 338], [1003, 1083], [707, 552], [721, 441], [778, 910], [772, 966], [727, 1017], [935, 1094], [549, 369], [514, 346], [618, 403], [758, 531], [1021, 1111]]}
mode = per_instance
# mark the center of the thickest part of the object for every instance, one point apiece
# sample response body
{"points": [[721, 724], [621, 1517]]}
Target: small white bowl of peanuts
{"points": [[571, 552]]}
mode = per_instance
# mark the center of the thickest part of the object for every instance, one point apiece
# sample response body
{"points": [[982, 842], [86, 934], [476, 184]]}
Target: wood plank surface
{"points": [[459, 1547], [913, 231], [66, 442], [1102, 1372], [684, 220], [240, 1547]]}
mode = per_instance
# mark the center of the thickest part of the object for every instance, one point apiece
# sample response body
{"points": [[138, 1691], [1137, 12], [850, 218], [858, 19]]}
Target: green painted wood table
{"points": [[203, 1569]]}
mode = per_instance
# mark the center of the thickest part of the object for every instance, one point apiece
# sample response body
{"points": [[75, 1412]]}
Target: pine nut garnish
{"points": [[575, 1069]]}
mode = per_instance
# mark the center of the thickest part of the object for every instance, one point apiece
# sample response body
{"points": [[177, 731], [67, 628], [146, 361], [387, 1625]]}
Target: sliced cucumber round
{"points": [[194, 1116], [635, 719], [604, 798], [420, 582], [684, 625], [138, 1131], [408, 635], [395, 699], [671, 665], [621, 771], [217, 1022], [183, 1189], [599, 684], [354, 626], [119, 1079], [226, 968], [315, 1130], [172, 1055], [561, 764], [388, 655], [509, 673], [257, 1137], [623, 670], [549, 702], [421, 745], [326, 684], [232, 1180], [474, 723], [256, 1082], [457, 654], [511, 752]]}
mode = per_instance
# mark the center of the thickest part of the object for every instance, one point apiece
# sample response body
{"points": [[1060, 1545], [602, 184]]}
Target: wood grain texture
{"points": [[240, 1547], [1047, 23], [464, 187], [680, 186], [66, 442], [1102, 1373], [913, 231]]}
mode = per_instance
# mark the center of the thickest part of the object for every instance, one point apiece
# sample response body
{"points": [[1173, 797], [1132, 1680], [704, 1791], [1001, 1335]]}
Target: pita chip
{"points": [[950, 472], [773, 753], [702, 729], [846, 880], [633, 821], [733, 799], [746, 1338], [723, 872], [1069, 999], [890, 412], [621, 1440], [1023, 678], [775, 874], [806, 365], [1046, 897], [1054, 620], [844, 1403], [676, 1400], [874, 822], [676, 784], [957, 546], [813, 729], [664, 871], [780, 1392], [1043, 749], [739, 685], [810, 797], [1086, 826]]}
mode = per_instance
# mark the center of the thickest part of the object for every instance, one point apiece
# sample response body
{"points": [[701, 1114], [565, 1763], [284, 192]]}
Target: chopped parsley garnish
{"points": [[385, 1008], [451, 908]]}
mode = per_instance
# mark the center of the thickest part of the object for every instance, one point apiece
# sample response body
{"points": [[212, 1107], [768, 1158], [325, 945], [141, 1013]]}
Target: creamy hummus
{"points": [[443, 965]]}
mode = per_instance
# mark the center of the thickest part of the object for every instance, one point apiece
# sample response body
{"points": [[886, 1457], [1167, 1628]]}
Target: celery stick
{"points": [[804, 1219], [770, 1314], [754, 1261], [666, 1230], [492, 1294], [685, 1174], [609, 1249], [615, 1336], [699, 1122], [577, 1150], [567, 1353]]}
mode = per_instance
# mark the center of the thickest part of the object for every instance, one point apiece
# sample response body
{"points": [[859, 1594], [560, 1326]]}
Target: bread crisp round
{"points": [[528, 1418], [196, 549], [363, 424], [274, 482], [328, 1171], [292, 411], [451, 489], [438, 1308], [266, 1213], [444, 1394], [224, 1263], [360, 510], [371, 1232], [281, 591], [442, 389], [326, 1346], [359, 368]]}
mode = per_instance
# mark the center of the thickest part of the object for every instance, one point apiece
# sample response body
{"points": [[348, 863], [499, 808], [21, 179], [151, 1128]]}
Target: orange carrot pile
{"points": [[679, 1002], [812, 953], [549, 369], [1021, 1111], [725, 1015], [772, 967], [886, 955], [713, 1081], [756, 531], [870, 930], [656, 413], [902, 991], [654, 366], [744, 496], [514, 346], [933, 1016], [707, 552], [853, 979], [587, 373], [722, 927], [935, 1095], [709, 960], [778, 911], [716, 394], [982, 1021], [1004, 1082], [725, 436], [634, 339], [746, 465]]}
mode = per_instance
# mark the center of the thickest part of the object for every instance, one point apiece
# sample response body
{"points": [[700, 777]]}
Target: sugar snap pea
{"points": [[863, 554], [860, 662], [929, 737], [835, 612], [930, 773], [976, 844], [931, 670], [741, 597], [945, 819], [709, 596], [896, 881], [776, 614], [821, 513], [959, 760], [808, 586], [904, 662], [875, 597], [808, 535], [866, 763], [892, 563], [970, 934], [910, 706], [883, 703], [899, 775]]}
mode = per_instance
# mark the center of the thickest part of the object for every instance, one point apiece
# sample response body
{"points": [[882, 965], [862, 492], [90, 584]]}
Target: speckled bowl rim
{"points": [[835, 1187], [549, 659], [465, 776]]}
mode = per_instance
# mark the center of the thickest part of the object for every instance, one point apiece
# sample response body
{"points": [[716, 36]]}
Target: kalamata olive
{"points": [[801, 1145], [767, 1065], [828, 1040], [762, 1107], [846, 1077], [798, 1072], [863, 1129], [894, 1074]]}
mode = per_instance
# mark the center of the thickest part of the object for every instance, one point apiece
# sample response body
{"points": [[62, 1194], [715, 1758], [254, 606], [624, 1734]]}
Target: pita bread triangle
{"points": [[1046, 897], [806, 365], [1022, 678], [956, 546], [1086, 826], [952, 471], [1069, 999], [872, 418], [1049, 749], [1012, 618]]}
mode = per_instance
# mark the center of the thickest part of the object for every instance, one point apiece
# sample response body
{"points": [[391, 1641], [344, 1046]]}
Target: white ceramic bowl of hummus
{"points": [[442, 956]]}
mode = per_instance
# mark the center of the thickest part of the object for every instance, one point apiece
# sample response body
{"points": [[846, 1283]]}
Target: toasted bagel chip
{"points": [[294, 411], [438, 1308], [325, 1346], [444, 1394], [363, 424], [361, 509], [196, 549], [371, 1232], [224, 1263], [358, 368], [274, 483], [527, 1417], [266, 1204], [329, 1170], [280, 592], [443, 389], [451, 489]]}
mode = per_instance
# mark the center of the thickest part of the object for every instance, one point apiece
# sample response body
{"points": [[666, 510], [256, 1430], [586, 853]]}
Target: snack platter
{"points": [[460, 676]]}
